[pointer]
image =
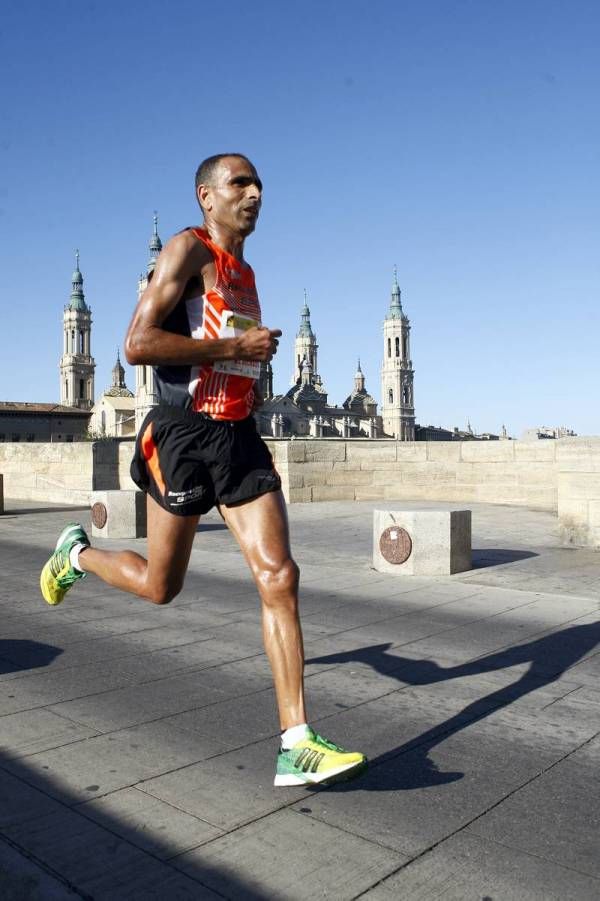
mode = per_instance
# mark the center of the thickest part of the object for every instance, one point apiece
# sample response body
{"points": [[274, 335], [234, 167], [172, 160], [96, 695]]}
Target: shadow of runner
{"points": [[549, 656], [17, 654]]}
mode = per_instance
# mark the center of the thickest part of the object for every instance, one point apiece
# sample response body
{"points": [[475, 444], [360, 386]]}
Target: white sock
{"points": [[291, 736], [74, 556]]}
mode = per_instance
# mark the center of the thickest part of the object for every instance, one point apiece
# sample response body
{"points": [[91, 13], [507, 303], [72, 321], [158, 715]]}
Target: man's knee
{"points": [[279, 580], [163, 593]]}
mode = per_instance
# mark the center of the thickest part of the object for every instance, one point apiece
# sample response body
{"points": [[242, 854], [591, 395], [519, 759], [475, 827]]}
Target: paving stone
{"points": [[22, 880], [36, 688], [288, 856], [468, 868], [439, 786], [20, 802], [96, 861], [106, 763], [143, 703], [38, 730], [149, 823], [564, 806], [226, 791]]}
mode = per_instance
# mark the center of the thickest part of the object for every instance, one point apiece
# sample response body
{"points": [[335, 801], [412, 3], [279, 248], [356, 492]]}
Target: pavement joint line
{"points": [[75, 808], [467, 826], [28, 855], [562, 697], [566, 866]]}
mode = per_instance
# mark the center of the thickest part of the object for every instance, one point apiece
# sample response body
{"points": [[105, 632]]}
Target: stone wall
{"points": [[48, 471], [561, 476], [578, 488], [497, 472]]}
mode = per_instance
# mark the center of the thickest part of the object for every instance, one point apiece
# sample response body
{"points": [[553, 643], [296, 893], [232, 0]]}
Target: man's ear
{"points": [[203, 193]]}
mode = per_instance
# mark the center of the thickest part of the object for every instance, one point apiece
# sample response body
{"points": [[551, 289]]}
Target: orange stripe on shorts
{"points": [[150, 452]]}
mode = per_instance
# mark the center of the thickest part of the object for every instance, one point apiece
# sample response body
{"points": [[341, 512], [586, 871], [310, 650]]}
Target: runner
{"points": [[199, 324]]}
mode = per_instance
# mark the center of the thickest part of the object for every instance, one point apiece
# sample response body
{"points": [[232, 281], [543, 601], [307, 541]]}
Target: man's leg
{"points": [[159, 578], [261, 529]]}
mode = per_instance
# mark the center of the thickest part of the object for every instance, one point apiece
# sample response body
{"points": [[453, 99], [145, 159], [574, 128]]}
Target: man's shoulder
{"points": [[187, 238]]}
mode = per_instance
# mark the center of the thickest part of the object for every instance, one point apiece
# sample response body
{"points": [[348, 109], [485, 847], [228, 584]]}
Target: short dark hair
{"points": [[206, 169]]}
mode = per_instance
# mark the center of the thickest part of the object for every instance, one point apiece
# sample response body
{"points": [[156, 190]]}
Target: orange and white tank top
{"points": [[223, 389]]}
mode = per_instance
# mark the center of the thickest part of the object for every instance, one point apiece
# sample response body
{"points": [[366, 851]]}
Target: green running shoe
{"points": [[58, 575], [315, 761]]}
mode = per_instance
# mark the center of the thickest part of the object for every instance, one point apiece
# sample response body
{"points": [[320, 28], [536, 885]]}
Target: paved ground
{"points": [[137, 744]]}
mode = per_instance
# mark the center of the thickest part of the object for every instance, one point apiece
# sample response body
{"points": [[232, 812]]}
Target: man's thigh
{"points": [[260, 526], [170, 540]]}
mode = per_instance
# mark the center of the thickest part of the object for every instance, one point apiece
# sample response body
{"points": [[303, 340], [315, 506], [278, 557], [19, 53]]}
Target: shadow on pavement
{"points": [[549, 656], [484, 557], [17, 654], [48, 850]]}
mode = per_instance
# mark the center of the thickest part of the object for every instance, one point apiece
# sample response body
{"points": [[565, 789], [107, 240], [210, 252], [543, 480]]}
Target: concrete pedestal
{"points": [[422, 542], [118, 514]]}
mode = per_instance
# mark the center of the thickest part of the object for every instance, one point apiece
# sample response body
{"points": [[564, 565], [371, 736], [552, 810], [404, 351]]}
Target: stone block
{"points": [[299, 495], [118, 514], [366, 451], [333, 493], [369, 493], [328, 450], [446, 451], [423, 542]]}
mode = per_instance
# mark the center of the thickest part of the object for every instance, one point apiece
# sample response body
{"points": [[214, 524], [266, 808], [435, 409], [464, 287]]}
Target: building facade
{"points": [[397, 374], [77, 365], [113, 415]]}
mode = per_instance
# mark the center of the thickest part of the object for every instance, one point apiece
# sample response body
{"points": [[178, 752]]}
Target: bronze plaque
{"points": [[395, 545], [99, 515]]}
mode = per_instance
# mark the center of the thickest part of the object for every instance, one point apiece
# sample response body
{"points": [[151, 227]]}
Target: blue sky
{"points": [[458, 140]]}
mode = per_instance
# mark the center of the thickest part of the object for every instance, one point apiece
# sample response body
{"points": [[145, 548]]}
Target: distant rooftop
{"points": [[8, 406]]}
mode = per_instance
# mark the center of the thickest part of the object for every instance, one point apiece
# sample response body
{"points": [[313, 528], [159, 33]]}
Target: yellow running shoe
{"points": [[58, 575], [314, 760]]}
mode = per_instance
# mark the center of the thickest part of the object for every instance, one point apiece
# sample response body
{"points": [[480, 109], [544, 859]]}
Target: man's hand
{"points": [[258, 343]]}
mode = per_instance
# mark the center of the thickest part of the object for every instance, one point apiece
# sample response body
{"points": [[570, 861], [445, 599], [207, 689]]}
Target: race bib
{"points": [[232, 326]]}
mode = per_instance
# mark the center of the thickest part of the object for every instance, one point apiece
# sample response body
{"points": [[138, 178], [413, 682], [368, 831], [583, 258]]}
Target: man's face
{"points": [[233, 198]]}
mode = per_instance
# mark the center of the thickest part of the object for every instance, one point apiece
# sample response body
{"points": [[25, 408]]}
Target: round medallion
{"points": [[99, 515], [395, 545]]}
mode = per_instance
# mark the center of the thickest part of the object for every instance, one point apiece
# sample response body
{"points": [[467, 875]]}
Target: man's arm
{"points": [[147, 342]]}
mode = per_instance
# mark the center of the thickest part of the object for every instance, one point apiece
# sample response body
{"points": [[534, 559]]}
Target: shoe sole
{"points": [[342, 774]]}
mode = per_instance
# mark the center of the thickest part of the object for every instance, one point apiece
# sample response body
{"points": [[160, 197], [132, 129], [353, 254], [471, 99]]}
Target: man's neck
{"points": [[231, 242]]}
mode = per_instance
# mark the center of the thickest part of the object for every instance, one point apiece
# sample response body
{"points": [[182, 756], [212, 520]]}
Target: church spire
{"points": [[77, 299], [154, 244], [305, 330], [396, 311]]}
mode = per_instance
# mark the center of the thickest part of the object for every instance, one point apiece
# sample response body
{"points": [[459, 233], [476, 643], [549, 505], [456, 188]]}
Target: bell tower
{"points": [[305, 346], [76, 364], [397, 374], [145, 392]]}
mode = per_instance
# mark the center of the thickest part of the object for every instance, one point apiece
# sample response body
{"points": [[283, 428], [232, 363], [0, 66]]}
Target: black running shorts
{"points": [[189, 462]]}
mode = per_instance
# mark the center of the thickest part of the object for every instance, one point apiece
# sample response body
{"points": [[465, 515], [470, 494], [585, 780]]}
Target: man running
{"points": [[199, 324]]}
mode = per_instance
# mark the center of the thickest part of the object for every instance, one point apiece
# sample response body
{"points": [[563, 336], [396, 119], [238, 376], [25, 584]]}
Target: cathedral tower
{"points": [[76, 364], [397, 393], [305, 347], [145, 393]]}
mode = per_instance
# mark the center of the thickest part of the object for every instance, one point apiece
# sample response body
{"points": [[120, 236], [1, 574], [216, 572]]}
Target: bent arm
{"points": [[148, 342]]}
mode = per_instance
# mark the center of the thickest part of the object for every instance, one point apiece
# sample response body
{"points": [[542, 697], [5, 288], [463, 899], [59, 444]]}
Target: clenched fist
{"points": [[258, 343]]}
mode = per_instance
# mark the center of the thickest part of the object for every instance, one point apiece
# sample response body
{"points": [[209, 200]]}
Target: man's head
{"points": [[229, 191]]}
